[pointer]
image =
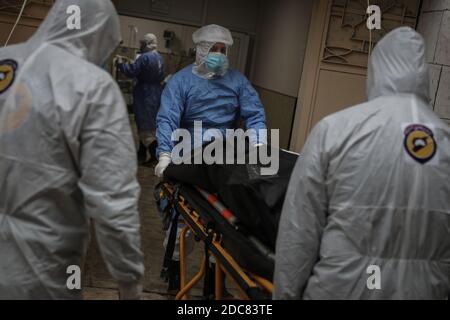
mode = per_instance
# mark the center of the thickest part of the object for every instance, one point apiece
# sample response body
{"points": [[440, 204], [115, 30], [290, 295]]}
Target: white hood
{"points": [[97, 38], [398, 66]]}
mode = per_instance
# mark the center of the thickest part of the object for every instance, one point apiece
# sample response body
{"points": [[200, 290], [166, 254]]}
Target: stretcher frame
{"points": [[250, 286]]}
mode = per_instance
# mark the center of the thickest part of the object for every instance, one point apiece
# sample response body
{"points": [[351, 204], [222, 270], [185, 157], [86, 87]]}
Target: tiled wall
{"points": [[434, 24]]}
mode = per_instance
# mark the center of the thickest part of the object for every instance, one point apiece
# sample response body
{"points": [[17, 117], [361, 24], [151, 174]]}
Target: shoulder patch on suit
{"points": [[7, 74], [419, 143]]}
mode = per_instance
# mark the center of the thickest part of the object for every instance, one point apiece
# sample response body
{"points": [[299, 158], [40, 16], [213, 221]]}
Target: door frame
{"points": [[310, 75]]}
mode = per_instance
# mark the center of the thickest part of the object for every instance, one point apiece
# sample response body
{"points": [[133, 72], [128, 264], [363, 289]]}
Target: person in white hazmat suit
{"points": [[66, 155], [367, 213]]}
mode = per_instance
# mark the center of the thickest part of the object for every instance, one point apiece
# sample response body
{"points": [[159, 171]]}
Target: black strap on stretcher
{"points": [[168, 256]]}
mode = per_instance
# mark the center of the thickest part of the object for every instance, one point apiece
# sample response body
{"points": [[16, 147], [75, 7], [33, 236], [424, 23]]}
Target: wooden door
{"points": [[339, 45]]}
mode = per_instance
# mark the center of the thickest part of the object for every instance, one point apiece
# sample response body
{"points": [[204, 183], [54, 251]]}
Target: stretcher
{"points": [[244, 260]]}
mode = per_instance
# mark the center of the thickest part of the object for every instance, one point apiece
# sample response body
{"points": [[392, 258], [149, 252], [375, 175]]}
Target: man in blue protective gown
{"points": [[149, 72], [207, 91]]}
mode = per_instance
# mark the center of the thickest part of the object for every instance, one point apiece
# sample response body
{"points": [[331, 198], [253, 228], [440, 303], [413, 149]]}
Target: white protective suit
{"points": [[66, 155], [367, 213]]}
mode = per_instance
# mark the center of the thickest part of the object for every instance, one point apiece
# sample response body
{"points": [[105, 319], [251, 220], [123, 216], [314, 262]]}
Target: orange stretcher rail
{"points": [[249, 285]]}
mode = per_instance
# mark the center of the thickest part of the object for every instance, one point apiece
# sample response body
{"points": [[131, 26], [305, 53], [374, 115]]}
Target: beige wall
{"points": [[280, 111], [183, 38], [144, 26], [33, 15], [281, 44], [278, 60]]}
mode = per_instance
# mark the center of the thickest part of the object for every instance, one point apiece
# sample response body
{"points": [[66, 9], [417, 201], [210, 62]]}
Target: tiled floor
{"points": [[98, 281], [112, 294]]}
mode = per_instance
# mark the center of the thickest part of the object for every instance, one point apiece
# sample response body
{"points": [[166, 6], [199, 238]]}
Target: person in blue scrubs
{"points": [[207, 91], [149, 72], [210, 92]]}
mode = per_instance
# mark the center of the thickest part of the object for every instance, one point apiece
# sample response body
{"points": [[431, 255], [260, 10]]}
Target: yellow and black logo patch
{"points": [[7, 74], [420, 143]]}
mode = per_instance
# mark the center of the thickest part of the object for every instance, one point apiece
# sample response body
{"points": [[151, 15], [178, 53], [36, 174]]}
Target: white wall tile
{"points": [[434, 5], [442, 55], [442, 106], [435, 75], [429, 26]]}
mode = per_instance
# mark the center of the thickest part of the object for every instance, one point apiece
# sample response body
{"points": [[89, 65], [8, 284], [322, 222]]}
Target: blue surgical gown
{"points": [[219, 103], [149, 72]]}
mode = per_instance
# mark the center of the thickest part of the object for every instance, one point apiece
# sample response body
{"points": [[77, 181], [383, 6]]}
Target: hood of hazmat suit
{"points": [[205, 38], [150, 41], [67, 156], [367, 213]]}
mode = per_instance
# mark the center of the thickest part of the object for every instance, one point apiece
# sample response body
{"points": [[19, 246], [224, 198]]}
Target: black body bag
{"points": [[255, 199]]}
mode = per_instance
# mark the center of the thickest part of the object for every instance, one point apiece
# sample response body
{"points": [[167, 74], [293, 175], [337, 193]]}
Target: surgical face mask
{"points": [[217, 63]]}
